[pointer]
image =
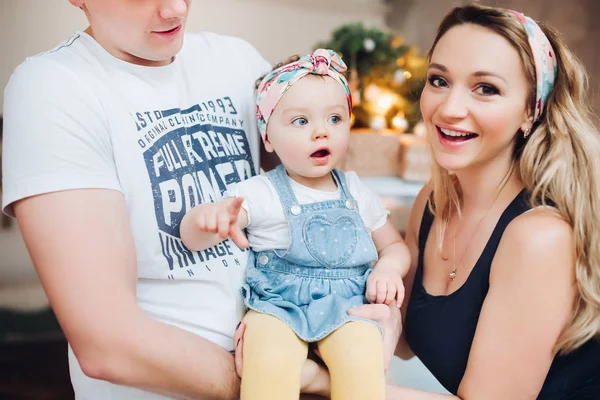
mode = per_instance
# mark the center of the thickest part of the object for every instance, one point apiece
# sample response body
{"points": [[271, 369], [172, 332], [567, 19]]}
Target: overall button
{"points": [[295, 209], [350, 204], [263, 260]]}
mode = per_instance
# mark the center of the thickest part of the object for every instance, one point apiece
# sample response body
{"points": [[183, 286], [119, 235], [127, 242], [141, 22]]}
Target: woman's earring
{"points": [[526, 133]]}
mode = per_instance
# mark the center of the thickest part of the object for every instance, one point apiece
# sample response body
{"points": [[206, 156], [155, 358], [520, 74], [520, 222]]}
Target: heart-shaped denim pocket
{"points": [[331, 243]]}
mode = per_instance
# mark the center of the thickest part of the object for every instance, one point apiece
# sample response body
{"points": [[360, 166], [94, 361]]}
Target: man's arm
{"points": [[81, 244]]}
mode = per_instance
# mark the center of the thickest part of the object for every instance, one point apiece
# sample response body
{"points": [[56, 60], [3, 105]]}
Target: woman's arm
{"points": [[82, 247], [529, 303]]}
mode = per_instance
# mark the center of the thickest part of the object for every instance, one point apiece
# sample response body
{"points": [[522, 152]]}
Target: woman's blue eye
{"points": [[487, 89], [335, 119], [437, 81], [300, 121]]}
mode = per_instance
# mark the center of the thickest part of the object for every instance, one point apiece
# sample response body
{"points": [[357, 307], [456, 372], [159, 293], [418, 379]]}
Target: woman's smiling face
{"points": [[475, 98]]}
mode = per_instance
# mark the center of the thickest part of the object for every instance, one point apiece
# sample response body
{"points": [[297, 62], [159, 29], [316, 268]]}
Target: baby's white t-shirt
{"points": [[267, 227]]}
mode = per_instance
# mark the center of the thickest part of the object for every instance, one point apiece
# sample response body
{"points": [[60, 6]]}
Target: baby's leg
{"points": [[273, 359], [354, 355]]}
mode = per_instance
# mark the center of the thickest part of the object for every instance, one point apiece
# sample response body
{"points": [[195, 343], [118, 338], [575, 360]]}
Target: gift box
{"points": [[373, 154], [415, 161]]}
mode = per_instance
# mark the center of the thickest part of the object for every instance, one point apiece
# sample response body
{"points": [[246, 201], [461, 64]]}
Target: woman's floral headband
{"points": [[546, 66]]}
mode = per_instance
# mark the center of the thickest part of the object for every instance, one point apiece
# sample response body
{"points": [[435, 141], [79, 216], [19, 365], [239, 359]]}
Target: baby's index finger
{"points": [[235, 205]]}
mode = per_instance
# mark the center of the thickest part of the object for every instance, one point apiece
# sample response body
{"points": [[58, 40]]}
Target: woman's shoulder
{"points": [[538, 242], [539, 227]]}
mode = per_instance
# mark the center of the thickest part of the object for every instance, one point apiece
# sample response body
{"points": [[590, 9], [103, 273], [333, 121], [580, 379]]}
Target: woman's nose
{"points": [[454, 105]]}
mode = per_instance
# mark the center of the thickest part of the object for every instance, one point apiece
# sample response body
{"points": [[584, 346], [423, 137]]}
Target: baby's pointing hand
{"points": [[222, 219]]}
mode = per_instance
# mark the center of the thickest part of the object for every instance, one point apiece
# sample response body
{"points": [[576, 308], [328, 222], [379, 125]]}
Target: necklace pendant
{"points": [[452, 275]]}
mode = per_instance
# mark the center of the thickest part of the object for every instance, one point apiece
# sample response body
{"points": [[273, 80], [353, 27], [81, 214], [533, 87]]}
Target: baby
{"points": [[321, 241]]}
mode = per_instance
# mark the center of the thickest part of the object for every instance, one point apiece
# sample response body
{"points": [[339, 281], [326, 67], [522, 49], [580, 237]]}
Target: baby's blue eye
{"points": [[335, 119], [300, 121]]}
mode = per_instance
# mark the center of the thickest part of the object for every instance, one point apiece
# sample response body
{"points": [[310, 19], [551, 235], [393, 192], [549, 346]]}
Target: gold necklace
{"points": [[452, 275]]}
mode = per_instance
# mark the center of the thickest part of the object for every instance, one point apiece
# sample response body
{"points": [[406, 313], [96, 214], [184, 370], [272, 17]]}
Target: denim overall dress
{"points": [[322, 274]]}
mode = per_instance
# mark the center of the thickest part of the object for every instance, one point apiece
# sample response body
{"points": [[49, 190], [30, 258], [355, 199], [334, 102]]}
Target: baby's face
{"points": [[309, 128]]}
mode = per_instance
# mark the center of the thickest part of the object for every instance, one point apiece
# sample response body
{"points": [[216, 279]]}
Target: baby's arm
{"points": [[210, 223], [385, 282]]}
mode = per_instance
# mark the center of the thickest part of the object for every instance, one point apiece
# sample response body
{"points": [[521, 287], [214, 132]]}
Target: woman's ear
{"points": [[77, 3], [527, 125]]}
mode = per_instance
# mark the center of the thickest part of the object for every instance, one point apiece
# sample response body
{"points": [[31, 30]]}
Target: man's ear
{"points": [[77, 3]]}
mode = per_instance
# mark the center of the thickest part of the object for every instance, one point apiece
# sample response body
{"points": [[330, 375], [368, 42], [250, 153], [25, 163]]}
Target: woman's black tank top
{"points": [[440, 329]]}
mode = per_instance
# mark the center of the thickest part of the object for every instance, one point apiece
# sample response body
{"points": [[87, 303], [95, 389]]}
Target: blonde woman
{"points": [[503, 295]]}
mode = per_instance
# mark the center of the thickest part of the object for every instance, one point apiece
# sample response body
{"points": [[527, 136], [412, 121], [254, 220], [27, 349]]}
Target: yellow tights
{"points": [[274, 355]]}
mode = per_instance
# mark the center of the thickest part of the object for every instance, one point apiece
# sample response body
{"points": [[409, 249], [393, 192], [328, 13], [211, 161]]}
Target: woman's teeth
{"points": [[448, 132]]}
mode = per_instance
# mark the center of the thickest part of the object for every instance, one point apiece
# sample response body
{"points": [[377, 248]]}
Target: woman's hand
{"points": [[389, 318], [314, 377]]}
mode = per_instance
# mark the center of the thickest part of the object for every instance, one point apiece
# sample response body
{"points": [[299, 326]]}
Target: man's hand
{"points": [[388, 317], [384, 284], [238, 340], [222, 219]]}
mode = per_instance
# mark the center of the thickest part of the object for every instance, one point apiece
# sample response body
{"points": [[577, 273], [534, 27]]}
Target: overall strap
{"points": [[279, 178], [340, 178]]}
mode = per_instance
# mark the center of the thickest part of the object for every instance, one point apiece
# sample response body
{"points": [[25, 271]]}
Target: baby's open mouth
{"points": [[320, 153]]}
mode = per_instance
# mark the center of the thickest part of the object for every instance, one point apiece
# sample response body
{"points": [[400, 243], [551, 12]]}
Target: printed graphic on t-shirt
{"points": [[192, 156]]}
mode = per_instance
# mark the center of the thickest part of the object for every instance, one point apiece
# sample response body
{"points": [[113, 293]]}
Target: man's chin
{"points": [[157, 51], [158, 58]]}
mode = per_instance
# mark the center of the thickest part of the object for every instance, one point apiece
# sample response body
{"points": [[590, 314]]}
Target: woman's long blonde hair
{"points": [[559, 163]]}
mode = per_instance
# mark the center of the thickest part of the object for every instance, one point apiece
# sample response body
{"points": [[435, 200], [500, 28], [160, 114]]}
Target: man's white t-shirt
{"points": [[168, 138], [267, 227]]}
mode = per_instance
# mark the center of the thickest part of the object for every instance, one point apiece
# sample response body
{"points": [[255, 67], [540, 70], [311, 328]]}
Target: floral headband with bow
{"points": [[274, 85]]}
